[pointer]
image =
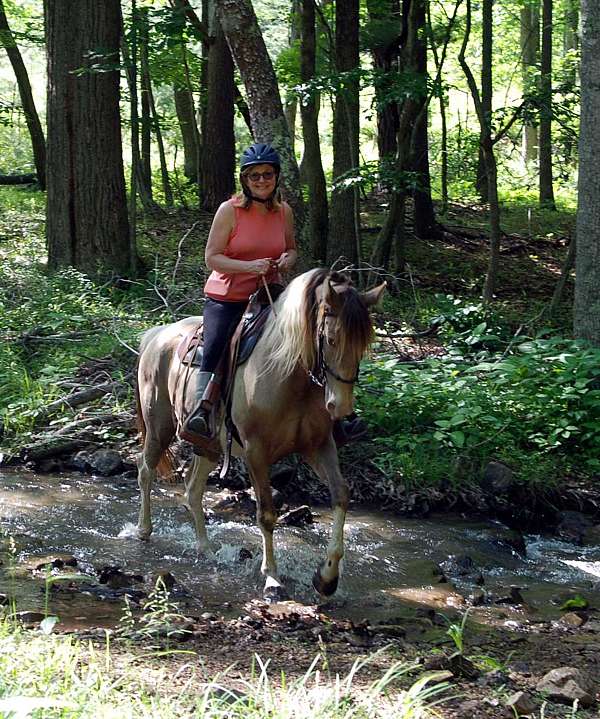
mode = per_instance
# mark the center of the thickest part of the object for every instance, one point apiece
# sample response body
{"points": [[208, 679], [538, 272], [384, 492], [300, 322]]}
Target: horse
{"points": [[299, 378]]}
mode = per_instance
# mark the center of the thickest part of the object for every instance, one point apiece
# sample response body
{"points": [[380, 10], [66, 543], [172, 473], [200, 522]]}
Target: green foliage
{"points": [[536, 406]]}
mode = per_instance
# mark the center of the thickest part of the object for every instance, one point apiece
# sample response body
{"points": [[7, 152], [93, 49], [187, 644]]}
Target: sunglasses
{"points": [[255, 176]]}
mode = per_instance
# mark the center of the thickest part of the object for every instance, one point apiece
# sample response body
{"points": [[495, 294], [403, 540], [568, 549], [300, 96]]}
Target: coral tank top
{"points": [[254, 236]]}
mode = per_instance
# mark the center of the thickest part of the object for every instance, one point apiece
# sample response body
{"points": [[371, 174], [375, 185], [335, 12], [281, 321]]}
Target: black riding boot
{"points": [[198, 420], [349, 429]]}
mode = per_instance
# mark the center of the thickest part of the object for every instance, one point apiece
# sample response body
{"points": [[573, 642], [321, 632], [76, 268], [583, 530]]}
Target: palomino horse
{"points": [[299, 379]]}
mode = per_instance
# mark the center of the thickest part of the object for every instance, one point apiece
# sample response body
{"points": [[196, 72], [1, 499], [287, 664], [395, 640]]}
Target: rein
{"points": [[322, 369]]}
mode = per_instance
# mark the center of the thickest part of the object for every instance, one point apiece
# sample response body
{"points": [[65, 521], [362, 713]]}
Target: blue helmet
{"points": [[260, 154]]}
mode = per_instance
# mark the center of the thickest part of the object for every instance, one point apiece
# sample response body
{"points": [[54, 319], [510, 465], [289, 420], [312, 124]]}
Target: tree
{"points": [[249, 52], [530, 48], [424, 215], [384, 36], [587, 285], [38, 143], [86, 217], [545, 151], [486, 91], [318, 220], [218, 159], [344, 229]]}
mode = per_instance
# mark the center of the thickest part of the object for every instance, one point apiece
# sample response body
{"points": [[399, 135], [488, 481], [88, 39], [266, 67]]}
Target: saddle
{"points": [[239, 349]]}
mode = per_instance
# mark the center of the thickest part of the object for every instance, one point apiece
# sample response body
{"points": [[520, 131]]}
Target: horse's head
{"points": [[344, 332]]}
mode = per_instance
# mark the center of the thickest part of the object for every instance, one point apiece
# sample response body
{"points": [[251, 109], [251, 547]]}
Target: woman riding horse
{"points": [[251, 239]]}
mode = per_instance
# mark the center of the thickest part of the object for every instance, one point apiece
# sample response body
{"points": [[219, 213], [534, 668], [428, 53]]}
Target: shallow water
{"points": [[389, 563]]}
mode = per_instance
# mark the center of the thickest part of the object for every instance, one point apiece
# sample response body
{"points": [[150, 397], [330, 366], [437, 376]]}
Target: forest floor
{"points": [[495, 662]]}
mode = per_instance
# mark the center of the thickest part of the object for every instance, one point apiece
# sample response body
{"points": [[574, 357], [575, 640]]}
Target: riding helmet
{"points": [[260, 154]]}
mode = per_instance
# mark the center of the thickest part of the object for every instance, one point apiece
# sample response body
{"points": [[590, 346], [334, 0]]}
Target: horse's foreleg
{"points": [[195, 484], [325, 463], [266, 519]]}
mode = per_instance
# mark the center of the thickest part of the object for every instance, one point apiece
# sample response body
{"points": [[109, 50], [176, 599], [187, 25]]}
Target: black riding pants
{"points": [[220, 320]]}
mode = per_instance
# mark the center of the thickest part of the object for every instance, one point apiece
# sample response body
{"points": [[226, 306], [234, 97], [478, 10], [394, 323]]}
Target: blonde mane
{"points": [[289, 338]]}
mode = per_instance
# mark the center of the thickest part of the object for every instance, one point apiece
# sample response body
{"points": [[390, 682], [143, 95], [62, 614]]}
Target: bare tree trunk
{"points": [[486, 92], [587, 270], [386, 58], [139, 185], [425, 224], [146, 120], [392, 235], [38, 143], [546, 186], [490, 167], [86, 217], [314, 177], [248, 49], [218, 161], [291, 104], [186, 116], [530, 50], [344, 236]]}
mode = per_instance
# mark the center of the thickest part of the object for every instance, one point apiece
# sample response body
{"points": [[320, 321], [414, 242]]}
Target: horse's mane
{"points": [[290, 337]]}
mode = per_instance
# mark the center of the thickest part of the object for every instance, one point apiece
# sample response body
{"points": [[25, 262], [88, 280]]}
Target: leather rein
{"points": [[319, 374]]}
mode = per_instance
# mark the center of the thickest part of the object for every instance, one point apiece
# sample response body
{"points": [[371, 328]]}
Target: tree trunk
{"points": [[384, 17], [530, 50], [344, 239], [291, 103], [314, 177], [587, 268], [392, 237], [546, 187], [490, 167], [186, 116], [139, 185], [86, 219], [218, 159], [146, 119], [248, 49], [164, 172], [486, 92], [425, 224], [38, 143]]}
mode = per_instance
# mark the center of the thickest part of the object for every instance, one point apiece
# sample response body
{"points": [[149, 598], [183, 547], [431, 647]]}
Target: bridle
{"points": [[321, 369]]}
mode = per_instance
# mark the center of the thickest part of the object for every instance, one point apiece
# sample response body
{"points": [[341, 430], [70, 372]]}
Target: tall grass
{"points": [[61, 676]]}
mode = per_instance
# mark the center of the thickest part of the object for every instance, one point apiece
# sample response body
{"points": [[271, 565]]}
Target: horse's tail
{"points": [[166, 464]]}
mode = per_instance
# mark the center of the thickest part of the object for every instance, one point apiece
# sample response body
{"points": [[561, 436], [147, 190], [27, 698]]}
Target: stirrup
{"points": [[348, 430]]}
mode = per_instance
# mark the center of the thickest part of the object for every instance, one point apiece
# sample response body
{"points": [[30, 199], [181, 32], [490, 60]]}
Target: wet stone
{"points": [[80, 462], [106, 462], [299, 517], [497, 479], [244, 554], [165, 577], [27, 617], [55, 561]]}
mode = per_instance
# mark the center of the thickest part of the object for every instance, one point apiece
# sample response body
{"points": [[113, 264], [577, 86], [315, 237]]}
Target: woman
{"points": [[251, 238]]}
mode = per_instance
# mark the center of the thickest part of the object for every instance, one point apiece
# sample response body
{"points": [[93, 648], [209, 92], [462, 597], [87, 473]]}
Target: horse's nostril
{"points": [[331, 406]]}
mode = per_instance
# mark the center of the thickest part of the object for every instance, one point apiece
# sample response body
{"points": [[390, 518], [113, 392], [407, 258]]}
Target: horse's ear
{"points": [[373, 297], [332, 296]]}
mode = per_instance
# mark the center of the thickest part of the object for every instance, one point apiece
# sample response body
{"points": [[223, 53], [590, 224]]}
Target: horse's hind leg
{"points": [[325, 463], [195, 484], [147, 463]]}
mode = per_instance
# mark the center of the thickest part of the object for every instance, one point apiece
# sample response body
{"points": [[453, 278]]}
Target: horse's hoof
{"points": [[275, 593], [324, 588]]}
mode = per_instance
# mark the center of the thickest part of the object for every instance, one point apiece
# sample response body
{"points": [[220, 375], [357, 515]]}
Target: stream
{"points": [[389, 567]]}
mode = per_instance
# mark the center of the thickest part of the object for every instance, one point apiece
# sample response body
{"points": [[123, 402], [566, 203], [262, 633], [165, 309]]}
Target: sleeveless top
{"points": [[255, 235]]}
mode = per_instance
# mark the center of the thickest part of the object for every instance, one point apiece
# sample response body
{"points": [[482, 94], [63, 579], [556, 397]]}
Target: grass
{"points": [[62, 676]]}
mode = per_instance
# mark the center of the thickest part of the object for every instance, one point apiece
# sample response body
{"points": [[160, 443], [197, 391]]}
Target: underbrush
{"points": [[534, 406], [62, 676]]}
